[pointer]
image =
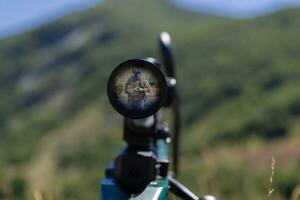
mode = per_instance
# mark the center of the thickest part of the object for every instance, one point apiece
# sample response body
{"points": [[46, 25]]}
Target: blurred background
{"points": [[238, 65]]}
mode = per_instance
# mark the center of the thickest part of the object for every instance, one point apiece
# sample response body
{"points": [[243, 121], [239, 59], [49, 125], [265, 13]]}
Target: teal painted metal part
{"points": [[162, 150], [110, 190], [157, 190]]}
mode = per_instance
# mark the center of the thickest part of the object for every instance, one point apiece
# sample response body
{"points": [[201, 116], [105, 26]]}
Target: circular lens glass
{"points": [[137, 88]]}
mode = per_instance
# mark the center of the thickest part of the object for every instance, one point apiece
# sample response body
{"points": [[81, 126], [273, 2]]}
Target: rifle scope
{"points": [[137, 88]]}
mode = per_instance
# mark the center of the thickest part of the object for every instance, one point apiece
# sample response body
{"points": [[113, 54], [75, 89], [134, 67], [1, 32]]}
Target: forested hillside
{"points": [[238, 80]]}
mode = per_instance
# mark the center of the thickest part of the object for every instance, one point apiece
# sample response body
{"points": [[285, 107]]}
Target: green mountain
{"points": [[239, 86]]}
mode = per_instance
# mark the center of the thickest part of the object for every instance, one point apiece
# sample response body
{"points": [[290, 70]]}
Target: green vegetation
{"points": [[239, 84]]}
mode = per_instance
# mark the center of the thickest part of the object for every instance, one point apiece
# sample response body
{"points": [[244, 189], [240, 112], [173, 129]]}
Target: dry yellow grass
{"points": [[271, 187], [37, 195], [296, 193]]}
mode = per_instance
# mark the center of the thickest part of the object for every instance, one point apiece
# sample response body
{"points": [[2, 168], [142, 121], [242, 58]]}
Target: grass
{"points": [[271, 187], [296, 193]]}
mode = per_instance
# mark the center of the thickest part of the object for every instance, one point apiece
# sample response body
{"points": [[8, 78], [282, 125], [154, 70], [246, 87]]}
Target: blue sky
{"points": [[236, 8], [20, 15]]}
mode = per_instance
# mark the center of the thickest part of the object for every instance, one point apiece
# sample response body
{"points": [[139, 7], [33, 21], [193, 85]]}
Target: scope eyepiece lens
{"points": [[137, 88]]}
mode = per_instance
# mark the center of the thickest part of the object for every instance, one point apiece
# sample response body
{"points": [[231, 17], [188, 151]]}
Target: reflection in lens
{"points": [[137, 89]]}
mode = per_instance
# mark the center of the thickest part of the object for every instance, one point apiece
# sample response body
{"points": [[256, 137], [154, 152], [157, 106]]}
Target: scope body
{"points": [[141, 168]]}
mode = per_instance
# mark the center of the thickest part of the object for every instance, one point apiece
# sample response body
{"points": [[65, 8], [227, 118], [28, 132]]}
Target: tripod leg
{"points": [[180, 190], [184, 193]]}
